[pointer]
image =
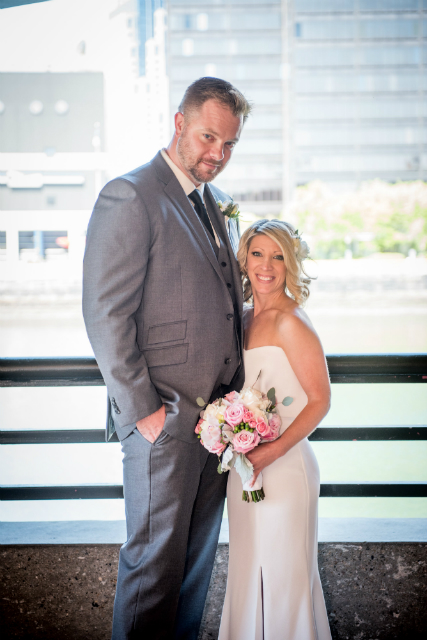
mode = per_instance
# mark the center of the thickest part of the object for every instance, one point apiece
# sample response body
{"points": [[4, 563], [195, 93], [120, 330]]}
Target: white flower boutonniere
{"points": [[229, 209]]}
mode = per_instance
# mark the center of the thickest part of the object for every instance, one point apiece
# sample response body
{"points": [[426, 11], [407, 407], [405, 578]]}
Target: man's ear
{"points": [[179, 123]]}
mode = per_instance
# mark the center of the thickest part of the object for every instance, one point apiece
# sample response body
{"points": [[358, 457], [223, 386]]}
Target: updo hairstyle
{"points": [[294, 251]]}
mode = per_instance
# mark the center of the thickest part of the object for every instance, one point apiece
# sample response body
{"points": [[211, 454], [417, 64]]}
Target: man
{"points": [[162, 304]]}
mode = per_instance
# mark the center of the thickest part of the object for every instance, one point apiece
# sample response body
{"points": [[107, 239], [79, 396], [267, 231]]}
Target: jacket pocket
{"points": [[167, 332], [162, 356]]}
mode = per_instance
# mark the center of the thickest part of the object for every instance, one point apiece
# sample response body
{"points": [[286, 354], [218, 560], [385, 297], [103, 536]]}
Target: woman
{"points": [[273, 588]]}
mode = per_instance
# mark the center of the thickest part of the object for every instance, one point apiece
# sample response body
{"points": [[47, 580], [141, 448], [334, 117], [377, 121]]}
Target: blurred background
{"points": [[337, 144]]}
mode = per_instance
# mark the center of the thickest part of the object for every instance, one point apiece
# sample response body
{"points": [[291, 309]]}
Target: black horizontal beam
{"points": [[365, 434], [375, 490], [62, 436], [49, 372], [100, 492], [343, 369], [322, 434], [377, 368], [83, 492]]}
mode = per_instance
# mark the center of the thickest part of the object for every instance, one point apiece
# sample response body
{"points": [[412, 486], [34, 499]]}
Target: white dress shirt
{"points": [[188, 187]]}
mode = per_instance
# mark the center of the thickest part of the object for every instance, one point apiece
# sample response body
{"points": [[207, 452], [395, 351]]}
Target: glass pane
{"points": [[389, 29], [61, 510], [53, 408], [325, 30], [352, 118], [326, 6]]}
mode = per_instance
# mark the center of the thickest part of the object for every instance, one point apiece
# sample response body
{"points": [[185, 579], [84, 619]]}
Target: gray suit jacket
{"points": [[157, 307]]}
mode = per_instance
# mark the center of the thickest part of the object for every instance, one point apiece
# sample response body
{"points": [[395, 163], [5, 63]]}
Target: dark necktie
{"points": [[201, 210]]}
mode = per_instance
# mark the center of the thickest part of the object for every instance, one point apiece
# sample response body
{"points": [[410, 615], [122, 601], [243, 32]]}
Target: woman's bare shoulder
{"points": [[294, 323]]}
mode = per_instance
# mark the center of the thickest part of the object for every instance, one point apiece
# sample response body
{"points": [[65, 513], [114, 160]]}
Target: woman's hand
{"points": [[262, 456]]}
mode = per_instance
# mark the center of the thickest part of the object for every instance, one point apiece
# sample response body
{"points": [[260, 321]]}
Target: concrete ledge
{"points": [[52, 592], [114, 531]]}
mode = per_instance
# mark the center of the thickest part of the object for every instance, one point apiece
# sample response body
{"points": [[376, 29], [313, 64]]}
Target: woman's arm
{"points": [[305, 354]]}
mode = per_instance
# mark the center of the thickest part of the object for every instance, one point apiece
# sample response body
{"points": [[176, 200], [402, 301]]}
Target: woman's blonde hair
{"points": [[294, 251]]}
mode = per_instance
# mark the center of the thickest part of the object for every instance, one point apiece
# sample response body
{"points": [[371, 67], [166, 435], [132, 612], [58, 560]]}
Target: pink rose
{"points": [[234, 414], [275, 422], [270, 431], [245, 441], [217, 448], [253, 423], [198, 428], [248, 415], [233, 395], [263, 428]]}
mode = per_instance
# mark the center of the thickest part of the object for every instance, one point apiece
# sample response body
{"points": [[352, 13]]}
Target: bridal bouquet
{"points": [[234, 425]]}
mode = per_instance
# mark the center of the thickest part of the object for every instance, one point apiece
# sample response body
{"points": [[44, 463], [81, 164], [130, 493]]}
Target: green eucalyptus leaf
{"points": [[219, 468], [287, 401], [271, 394], [200, 402]]}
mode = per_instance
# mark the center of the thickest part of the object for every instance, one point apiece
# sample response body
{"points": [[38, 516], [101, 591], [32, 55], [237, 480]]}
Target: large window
{"points": [[315, 82], [347, 6], [365, 56], [349, 109], [328, 136], [337, 134], [223, 46], [365, 29]]}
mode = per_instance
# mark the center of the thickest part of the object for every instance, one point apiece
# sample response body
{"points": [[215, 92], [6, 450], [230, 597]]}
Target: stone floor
{"points": [[66, 592]]}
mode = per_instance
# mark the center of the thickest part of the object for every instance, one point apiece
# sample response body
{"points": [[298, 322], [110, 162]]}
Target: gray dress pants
{"points": [[174, 499]]}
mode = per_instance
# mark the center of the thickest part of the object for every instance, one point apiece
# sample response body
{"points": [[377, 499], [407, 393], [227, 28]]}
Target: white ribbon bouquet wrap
{"points": [[236, 424]]}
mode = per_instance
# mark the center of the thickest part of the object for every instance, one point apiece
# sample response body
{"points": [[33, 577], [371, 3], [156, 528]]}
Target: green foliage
{"points": [[287, 401], [378, 217], [271, 395]]}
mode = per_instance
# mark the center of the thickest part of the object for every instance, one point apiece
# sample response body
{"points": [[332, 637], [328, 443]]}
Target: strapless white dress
{"points": [[273, 587]]}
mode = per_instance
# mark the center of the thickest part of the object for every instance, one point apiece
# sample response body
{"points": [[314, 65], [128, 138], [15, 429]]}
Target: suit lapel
{"points": [[231, 238], [176, 193]]}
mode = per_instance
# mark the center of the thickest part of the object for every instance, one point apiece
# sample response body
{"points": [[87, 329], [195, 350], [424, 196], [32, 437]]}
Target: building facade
{"points": [[338, 88], [359, 90], [242, 43], [51, 160]]}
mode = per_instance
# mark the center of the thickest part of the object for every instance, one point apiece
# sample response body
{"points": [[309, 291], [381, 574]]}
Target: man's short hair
{"points": [[205, 89]]}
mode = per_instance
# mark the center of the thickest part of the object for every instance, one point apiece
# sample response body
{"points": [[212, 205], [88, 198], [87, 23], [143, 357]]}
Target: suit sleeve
{"points": [[115, 266]]}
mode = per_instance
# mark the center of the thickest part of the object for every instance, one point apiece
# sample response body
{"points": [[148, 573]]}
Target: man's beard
{"points": [[192, 164]]}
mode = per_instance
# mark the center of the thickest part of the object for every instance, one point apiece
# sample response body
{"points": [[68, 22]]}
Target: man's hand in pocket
{"points": [[151, 426]]}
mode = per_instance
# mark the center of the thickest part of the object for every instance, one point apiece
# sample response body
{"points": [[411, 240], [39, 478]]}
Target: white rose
{"points": [[220, 411], [250, 394], [211, 410]]}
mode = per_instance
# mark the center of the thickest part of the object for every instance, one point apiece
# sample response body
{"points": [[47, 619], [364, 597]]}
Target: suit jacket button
{"points": [[115, 406], [230, 316], [228, 285], [227, 361], [223, 264]]}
